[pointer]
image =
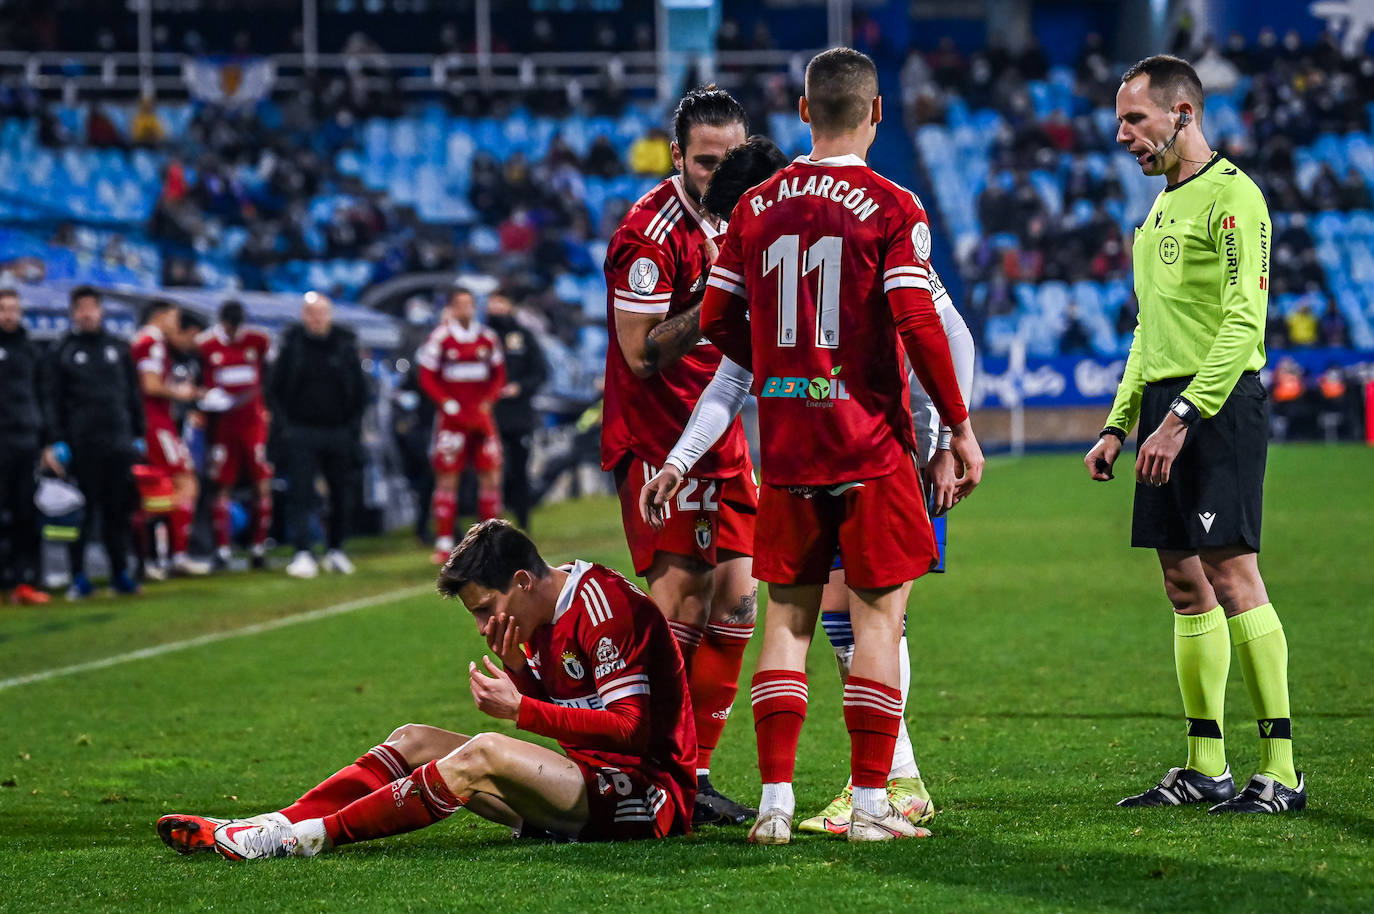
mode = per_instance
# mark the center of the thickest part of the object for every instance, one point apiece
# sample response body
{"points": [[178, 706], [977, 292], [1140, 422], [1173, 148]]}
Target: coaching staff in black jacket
{"points": [[92, 406], [318, 391], [526, 372], [21, 433]]}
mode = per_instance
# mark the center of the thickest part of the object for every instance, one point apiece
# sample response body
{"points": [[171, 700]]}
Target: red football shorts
{"points": [[236, 449], [455, 448], [628, 805], [879, 527], [166, 450], [704, 515]]}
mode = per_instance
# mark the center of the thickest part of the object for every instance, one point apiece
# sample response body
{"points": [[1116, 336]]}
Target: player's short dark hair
{"points": [[190, 320], [8, 292], [841, 84], [80, 292], [231, 313], [489, 556], [1170, 77], [456, 290], [154, 308], [752, 162], [710, 105]]}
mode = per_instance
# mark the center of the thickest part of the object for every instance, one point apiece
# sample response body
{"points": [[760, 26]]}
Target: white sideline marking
{"points": [[157, 650]]}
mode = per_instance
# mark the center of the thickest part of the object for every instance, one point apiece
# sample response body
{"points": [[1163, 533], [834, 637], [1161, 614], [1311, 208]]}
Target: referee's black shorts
{"points": [[1215, 493]]}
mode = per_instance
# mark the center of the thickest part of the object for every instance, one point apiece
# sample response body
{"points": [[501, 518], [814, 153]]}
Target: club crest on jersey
{"points": [[820, 391], [920, 241], [703, 533], [643, 276], [608, 658], [572, 666]]}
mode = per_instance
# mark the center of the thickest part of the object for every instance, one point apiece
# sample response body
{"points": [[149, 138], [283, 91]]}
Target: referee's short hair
{"points": [[1170, 78]]}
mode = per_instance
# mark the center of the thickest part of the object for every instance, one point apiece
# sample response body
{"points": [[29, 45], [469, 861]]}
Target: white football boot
{"points": [[891, 824], [303, 566], [336, 561]]}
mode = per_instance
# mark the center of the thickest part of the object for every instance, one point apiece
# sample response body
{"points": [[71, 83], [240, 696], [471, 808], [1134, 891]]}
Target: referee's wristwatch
{"points": [[1185, 411]]}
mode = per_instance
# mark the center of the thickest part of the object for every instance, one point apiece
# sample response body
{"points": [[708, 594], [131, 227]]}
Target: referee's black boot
{"points": [[1184, 785]]}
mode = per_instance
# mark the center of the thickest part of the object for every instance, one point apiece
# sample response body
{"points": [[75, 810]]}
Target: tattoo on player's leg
{"points": [[747, 609]]}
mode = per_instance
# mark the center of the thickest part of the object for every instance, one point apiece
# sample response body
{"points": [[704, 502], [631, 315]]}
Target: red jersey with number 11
{"points": [[824, 265]]}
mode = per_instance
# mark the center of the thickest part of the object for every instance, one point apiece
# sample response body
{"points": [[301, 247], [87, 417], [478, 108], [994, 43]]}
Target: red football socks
{"points": [[779, 698], [489, 504], [444, 507], [408, 803], [714, 682], [379, 765], [264, 521], [180, 528], [872, 714], [688, 639]]}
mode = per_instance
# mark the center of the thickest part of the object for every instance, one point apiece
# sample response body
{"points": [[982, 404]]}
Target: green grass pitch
{"points": [[1043, 691]]}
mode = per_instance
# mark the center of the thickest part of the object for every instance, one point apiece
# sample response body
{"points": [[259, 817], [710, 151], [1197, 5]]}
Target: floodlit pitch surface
{"points": [[1043, 691]]}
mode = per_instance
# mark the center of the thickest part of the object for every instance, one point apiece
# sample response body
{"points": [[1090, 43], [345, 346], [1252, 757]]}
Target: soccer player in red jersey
{"points": [[823, 280], [599, 671], [657, 365], [462, 369], [233, 357], [740, 169], [165, 449]]}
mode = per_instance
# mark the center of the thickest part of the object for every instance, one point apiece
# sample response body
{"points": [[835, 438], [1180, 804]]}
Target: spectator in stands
{"points": [[318, 392], [101, 131], [1217, 73], [21, 436], [1354, 191], [650, 154], [1075, 339], [947, 65], [516, 420], [1302, 326], [93, 418], [603, 160], [147, 129], [1127, 317], [1334, 330], [1326, 190]]}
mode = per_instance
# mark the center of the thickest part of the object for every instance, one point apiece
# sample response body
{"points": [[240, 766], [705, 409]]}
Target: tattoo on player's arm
{"points": [[747, 610], [672, 339]]}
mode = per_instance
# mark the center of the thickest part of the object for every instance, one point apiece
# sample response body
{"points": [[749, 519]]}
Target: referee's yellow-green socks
{"points": [[1202, 656], [1263, 652]]}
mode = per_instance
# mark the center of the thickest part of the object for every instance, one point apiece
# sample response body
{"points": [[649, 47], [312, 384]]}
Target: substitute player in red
{"points": [[462, 369], [232, 356], [165, 449], [822, 285], [657, 365], [599, 672]]}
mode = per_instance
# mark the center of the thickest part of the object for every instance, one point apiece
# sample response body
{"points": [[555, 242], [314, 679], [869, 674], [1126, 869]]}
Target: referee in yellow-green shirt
{"points": [[1201, 263]]}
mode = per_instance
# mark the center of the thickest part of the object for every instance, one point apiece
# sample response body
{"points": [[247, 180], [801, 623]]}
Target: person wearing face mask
{"points": [[1192, 384]]}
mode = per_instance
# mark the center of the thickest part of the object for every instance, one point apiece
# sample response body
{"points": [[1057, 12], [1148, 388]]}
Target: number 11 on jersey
{"points": [[823, 257]]}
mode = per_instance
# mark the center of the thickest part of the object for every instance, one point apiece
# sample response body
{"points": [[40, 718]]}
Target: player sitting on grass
{"points": [[589, 660], [741, 168]]}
